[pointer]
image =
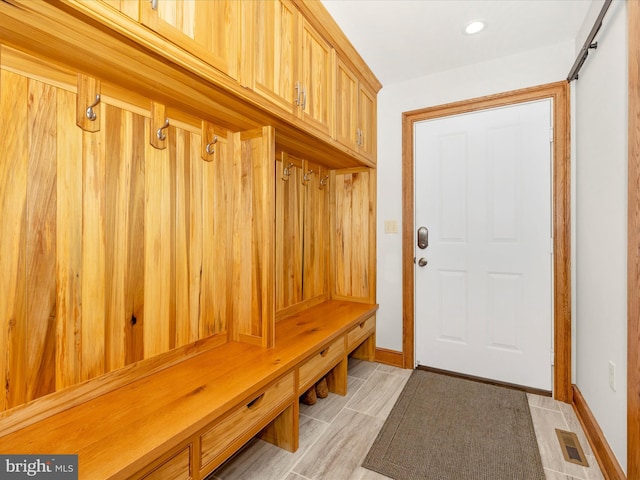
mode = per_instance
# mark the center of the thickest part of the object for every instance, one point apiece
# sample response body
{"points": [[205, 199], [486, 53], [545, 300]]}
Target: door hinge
{"points": [[551, 135], [551, 245], [553, 358]]}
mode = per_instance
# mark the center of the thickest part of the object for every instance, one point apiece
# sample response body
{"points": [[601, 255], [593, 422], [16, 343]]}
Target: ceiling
{"points": [[405, 39]]}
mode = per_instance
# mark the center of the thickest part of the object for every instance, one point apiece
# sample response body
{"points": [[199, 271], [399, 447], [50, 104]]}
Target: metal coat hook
{"points": [[286, 172], [306, 177], [160, 134], [90, 112], [210, 150], [323, 181]]}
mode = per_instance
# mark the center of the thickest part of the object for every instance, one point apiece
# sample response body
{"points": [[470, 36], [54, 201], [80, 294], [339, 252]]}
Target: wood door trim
{"points": [[601, 449], [633, 245], [559, 93]]}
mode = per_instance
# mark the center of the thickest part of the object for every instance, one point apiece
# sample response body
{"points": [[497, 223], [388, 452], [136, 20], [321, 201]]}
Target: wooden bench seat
{"points": [[130, 431]]}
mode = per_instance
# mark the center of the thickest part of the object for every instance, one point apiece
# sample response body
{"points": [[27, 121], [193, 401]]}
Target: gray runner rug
{"points": [[443, 427]]}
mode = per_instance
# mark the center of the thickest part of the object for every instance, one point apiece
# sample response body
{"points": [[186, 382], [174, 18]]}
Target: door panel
{"points": [[483, 189], [276, 52], [317, 84], [209, 30]]}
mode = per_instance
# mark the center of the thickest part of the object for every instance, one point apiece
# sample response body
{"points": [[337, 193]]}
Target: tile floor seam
{"points": [[316, 419], [358, 388], [296, 474], [564, 473], [545, 408], [362, 413], [311, 445]]}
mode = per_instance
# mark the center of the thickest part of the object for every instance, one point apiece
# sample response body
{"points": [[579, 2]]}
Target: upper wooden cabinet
{"points": [[316, 88], [209, 30], [291, 63], [274, 55], [367, 112], [240, 64], [355, 112]]}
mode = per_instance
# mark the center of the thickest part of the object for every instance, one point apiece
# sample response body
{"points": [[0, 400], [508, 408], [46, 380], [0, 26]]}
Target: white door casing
{"points": [[483, 302]]}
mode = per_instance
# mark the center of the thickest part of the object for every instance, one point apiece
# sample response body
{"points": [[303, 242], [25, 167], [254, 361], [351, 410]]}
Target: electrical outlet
{"points": [[612, 375]]}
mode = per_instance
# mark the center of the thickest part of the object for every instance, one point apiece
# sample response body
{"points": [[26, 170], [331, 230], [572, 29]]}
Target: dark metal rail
{"points": [[588, 44]]}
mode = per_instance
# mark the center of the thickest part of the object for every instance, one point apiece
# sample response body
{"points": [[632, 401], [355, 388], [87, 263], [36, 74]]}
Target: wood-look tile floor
{"points": [[337, 432]]}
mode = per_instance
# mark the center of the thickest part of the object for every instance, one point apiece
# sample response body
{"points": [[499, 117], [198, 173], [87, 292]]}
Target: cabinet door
{"points": [[346, 106], [367, 122], [275, 51], [317, 85], [210, 30]]}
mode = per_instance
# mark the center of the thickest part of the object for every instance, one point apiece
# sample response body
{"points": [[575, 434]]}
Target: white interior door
{"points": [[483, 300]]}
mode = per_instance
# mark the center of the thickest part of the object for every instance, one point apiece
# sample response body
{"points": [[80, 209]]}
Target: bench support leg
{"points": [[366, 350], [283, 430], [337, 378]]}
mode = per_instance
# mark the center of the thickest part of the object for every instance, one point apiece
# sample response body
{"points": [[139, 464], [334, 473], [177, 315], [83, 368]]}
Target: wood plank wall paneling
{"points": [[217, 214], [157, 240], [134, 314], [302, 237], [316, 237], [131, 250], [254, 234], [13, 218], [351, 255], [41, 241], [289, 235], [112, 251], [264, 235], [118, 179], [194, 244], [92, 336], [69, 236], [181, 164]]}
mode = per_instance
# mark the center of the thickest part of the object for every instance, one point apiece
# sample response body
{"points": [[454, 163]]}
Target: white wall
{"points": [[536, 67], [600, 128]]}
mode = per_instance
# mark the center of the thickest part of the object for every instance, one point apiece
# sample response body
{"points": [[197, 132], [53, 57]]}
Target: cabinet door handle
{"points": [[304, 97], [154, 4], [297, 88]]}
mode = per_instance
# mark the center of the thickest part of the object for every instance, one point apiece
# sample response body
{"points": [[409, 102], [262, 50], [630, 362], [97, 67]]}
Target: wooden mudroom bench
{"points": [[184, 420]]}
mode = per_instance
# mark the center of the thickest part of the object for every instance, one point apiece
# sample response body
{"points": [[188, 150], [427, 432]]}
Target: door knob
{"points": [[422, 262]]}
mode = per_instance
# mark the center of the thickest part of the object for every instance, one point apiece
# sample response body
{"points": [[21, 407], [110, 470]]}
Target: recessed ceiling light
{"points": [[474, 27]]}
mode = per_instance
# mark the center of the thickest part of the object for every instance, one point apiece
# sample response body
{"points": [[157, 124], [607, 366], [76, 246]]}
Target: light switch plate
{"points": [[390, 226]]}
